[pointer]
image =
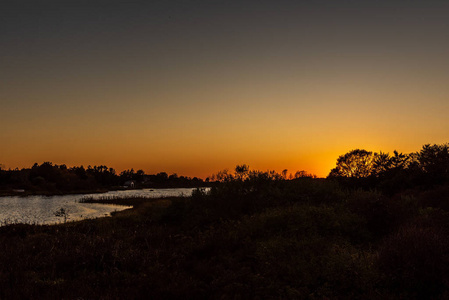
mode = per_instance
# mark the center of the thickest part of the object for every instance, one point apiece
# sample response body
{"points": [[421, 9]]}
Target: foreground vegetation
{"points": [[256, 235], [303, 239]]}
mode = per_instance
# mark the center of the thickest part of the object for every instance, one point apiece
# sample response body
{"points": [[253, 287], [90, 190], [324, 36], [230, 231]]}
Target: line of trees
{"points": [[391, 173], [53, 178], [243, 172], [358, 168]]}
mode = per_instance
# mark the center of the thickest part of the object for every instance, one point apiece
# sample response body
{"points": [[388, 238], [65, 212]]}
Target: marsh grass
{"points": [[263, 238]]}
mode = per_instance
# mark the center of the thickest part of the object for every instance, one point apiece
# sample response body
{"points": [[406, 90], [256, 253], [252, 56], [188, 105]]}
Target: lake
{"points": [[41, 209]]}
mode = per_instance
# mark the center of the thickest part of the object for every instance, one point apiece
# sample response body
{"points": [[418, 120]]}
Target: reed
{"points": [[260, 237]]}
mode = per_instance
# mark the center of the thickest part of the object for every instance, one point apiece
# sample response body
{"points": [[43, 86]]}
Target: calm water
{"points": [[41, 209]]}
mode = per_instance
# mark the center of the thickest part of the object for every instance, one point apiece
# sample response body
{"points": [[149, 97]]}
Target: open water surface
{"points": [[41, 209]]}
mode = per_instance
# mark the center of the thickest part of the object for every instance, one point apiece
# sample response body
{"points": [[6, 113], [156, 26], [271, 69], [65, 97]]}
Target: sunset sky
{"points": [[194, 87]]}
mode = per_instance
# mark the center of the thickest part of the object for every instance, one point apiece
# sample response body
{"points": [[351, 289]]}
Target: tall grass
{"points": [[249, 238]]}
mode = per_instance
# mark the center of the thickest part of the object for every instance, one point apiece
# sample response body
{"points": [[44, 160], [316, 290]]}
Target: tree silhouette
{"points": [[284, 173], [304, 174], [384, 164], [381, 163], [356, 163], [434, 161], [241, 171], [399, 160]]}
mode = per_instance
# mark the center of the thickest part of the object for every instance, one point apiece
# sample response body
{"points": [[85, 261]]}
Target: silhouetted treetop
{"points": [[434, 158], [434, 161], [356, 163]]}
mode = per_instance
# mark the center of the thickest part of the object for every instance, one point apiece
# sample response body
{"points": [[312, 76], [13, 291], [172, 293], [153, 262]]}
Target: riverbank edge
{"points": [[22, 193], [10, 193]]}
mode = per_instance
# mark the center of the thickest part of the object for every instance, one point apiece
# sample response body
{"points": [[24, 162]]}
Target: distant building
{"points": [[130, 184]]}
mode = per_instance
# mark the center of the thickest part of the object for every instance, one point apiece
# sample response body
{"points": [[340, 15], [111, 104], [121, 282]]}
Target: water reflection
{"points": [[41, 209]]}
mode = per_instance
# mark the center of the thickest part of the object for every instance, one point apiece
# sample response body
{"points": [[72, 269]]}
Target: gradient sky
{"points": [[194, 87]]}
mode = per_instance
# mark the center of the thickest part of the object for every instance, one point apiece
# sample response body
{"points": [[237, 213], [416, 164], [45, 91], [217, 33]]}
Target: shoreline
{"points": [[52, 193], [26, 193]]}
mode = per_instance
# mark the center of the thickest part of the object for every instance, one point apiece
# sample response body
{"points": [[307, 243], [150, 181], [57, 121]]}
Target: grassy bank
{"points": [[259, 238]]}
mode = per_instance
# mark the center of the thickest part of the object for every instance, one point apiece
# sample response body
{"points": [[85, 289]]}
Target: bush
{"points": [[382, 214], [437, 197], [415, 262]]}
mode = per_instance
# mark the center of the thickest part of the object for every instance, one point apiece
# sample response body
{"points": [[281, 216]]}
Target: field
{"points": [[254, 238]]}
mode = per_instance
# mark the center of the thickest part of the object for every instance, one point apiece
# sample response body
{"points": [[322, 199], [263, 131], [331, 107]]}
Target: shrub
{"points": [[415, 262], [382, 214]]}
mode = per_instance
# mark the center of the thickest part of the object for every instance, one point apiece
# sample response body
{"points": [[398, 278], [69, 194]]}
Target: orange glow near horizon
{"points": [[179, 88]]}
